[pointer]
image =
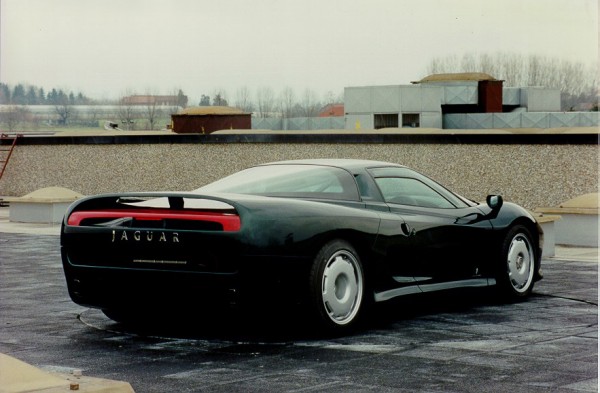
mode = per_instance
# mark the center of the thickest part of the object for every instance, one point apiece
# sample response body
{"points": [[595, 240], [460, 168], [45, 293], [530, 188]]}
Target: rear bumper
{"points": [[109, 287]]}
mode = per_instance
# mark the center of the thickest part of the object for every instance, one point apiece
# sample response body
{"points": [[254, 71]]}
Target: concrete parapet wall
{"points": [[516, 120], [532, 175], [577, 230]]}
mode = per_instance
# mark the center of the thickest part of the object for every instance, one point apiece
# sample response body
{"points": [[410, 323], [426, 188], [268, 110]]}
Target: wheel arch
{"points": [[362, 243], [511, 215], [534, 228]]}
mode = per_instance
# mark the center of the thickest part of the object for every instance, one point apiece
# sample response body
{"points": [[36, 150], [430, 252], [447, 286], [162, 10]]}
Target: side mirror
{"points": [[494, 201]]}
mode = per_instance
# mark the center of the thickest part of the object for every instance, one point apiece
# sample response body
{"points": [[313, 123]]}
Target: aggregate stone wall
{"points": [[531, 175]]}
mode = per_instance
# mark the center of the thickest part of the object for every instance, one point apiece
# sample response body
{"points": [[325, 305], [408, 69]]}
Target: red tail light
{"points": [[229, 222]]}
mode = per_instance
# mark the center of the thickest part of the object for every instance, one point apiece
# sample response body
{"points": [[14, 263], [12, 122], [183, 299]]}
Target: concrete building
{"points": [[465, 100], [375, 107]]}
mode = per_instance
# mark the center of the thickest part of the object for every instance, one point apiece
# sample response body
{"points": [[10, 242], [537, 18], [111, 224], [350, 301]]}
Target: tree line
{"points": [[21, 101], [21, 97], [21, 94], [266, 102]]}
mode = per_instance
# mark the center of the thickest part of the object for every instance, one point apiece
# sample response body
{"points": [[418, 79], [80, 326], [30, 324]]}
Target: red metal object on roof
{"points": [[490, 96], [332, 110], [205, 120], [12, 142]]}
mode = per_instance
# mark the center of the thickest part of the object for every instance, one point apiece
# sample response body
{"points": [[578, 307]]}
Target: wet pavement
{"points": [[447, 342]]}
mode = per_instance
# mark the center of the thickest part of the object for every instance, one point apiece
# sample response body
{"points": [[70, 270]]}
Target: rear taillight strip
{"points": [[230, 222]]}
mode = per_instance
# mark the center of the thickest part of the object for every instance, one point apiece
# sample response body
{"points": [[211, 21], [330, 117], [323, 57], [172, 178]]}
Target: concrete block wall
{"points": [[533, 175]]}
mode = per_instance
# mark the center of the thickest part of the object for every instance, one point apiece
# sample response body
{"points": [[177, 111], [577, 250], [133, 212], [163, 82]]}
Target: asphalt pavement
{"points": [[459, 342]]}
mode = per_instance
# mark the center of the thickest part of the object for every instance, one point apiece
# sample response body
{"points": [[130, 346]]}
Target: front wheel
{"points": [[517, 264], [337, 286]]}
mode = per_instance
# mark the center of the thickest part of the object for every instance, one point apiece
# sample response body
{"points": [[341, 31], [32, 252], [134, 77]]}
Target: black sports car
{"points": [[333, 235]]}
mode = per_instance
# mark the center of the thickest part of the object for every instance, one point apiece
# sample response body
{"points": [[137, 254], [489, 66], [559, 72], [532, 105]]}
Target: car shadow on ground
{"points": [[285, 323]]}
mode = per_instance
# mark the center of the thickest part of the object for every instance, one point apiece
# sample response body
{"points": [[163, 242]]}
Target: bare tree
{"points": [[534, 70], [243, 100], [573, 77], [127, 112], [487, 64], [331, 98], [93, 113], [436, 66], [468, 63], [63, 107], [152, 111], [309, 104], [265, 99], [13, 116], [287, 102], [443, 65], [511, 69], [176, 107]]}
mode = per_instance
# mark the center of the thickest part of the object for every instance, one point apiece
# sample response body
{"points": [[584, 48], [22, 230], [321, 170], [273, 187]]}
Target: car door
{"points": [[447, 235]]}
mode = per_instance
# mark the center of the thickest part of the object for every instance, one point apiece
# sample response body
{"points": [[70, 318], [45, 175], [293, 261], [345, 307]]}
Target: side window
{"points": [[367, 190], [411, 192]]}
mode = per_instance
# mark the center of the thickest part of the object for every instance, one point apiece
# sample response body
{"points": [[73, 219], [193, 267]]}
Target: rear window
{"points": [[299, 181]]}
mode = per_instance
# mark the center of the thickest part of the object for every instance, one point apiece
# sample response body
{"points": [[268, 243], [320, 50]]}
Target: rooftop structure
{"points": [[458, 101], [207, 119], [456, 77]]}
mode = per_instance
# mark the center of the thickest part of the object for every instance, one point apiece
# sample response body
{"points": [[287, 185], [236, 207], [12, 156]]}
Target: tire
{"points": [[517, 265], [117, 315], [337, 287], [133, 317]]}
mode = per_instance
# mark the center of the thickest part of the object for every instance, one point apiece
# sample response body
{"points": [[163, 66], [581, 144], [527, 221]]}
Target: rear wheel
{"points": [[517, 265], [337, 286], [117, 315], [133, 316]]}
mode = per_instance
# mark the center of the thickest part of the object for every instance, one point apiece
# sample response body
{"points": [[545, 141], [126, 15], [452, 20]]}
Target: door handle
{"points": [[406, 229]]}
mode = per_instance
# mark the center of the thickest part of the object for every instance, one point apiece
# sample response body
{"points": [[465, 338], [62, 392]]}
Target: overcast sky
{"points": [[104, 48]]}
